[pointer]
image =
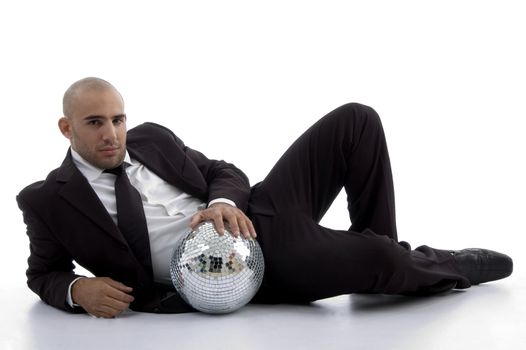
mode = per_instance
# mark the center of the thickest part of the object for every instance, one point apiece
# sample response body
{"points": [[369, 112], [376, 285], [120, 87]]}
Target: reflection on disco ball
{"points": [[216, 274]]}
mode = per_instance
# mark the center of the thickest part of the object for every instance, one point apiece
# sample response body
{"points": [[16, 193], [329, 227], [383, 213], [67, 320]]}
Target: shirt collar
{"points": [[90, 171]]}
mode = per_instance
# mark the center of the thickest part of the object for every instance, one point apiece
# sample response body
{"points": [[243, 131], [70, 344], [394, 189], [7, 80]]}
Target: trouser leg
{"points": [[346, 148], [305, 261]]}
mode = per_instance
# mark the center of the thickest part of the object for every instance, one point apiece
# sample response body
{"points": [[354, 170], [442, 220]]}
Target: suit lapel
{"points": [[78, 193]]}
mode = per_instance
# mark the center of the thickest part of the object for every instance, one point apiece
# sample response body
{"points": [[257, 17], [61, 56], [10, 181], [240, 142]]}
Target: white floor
{"points": [[490, 316]]}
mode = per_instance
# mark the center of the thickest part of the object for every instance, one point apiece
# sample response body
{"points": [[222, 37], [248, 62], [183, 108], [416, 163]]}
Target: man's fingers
{"points": [[220, 213], [196, 219], [244, 228], [118, 291], [116, 304], [251, 229], [118, 295], [109, 307], [118, 285], [232, 223], [209, 214], [101, 296], [107, 311], [240, 223], [219, 224]]}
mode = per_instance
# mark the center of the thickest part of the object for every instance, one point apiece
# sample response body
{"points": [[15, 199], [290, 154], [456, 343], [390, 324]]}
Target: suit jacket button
{"points": [[123, 247]]}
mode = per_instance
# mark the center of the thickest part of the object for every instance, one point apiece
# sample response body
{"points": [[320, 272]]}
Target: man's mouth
{"points": [[109, 151]]}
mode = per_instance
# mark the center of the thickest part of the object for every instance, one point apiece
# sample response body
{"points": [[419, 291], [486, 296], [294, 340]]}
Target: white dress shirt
{"points": [[168, 210]]}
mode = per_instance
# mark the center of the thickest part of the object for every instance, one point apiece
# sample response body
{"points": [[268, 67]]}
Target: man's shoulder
{"points": [[41, 185], [49, 187], [40, 191], [151, 132], [150, 127]]}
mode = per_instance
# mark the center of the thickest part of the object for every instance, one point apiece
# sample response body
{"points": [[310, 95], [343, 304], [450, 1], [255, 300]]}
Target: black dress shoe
{"points": [[482, 265]]}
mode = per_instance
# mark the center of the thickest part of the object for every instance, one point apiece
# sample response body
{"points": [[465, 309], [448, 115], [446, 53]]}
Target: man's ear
{"points": [[65, 127]]}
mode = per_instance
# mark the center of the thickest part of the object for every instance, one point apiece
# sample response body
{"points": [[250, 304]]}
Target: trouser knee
{"points": [[357, 112]]}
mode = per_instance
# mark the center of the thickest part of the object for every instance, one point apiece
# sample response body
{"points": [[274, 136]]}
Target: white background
{"points": [[240, 80]]}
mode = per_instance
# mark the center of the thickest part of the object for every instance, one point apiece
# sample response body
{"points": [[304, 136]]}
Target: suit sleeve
{"points": [[50, 268], [224, 180]]}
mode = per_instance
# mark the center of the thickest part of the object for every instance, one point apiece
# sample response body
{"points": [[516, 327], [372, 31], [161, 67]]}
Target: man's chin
{"points": [[110, 163]]}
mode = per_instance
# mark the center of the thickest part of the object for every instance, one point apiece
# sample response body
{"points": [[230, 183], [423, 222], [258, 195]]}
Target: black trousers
{"points": [[306, 261]]}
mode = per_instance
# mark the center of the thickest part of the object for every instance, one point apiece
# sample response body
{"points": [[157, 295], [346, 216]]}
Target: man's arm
{"points": [[223, 180], [50, 268], [50, 274]]}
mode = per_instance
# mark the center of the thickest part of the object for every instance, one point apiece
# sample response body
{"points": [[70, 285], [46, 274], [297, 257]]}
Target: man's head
{"points": [[94, 121]]}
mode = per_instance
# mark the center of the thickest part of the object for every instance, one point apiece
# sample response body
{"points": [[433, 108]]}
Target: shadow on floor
{"points": [[383, 302]]}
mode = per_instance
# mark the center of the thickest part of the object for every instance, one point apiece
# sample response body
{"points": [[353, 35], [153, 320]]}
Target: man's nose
{"points": [[109, 133]]}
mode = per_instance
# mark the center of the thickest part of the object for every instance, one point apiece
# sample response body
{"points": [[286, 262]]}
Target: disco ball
{"points": [[216, 274]]}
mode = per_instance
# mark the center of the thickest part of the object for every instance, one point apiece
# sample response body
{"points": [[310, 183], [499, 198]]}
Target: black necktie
{"points": [[130, 216]]}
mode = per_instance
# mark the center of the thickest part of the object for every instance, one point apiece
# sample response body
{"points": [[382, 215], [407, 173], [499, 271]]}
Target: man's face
{"points": [[96, 127]]}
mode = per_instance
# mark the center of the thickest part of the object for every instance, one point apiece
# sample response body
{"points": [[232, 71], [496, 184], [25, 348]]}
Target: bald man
{"points": [[74, 214]]}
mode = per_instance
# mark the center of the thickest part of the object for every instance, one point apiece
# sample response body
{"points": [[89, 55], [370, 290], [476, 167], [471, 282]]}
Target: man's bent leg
{"points": [[346, 148]]}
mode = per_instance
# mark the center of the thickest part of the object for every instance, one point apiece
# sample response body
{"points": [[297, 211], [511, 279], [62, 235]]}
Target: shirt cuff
{"points": [[222, 200], [69, 299]]}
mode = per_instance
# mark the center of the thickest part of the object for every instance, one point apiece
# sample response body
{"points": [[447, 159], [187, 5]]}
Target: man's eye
{"points": [[94, 122]]}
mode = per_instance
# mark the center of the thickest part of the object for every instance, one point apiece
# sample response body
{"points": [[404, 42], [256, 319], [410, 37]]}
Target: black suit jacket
{"points": [[66, 220]]}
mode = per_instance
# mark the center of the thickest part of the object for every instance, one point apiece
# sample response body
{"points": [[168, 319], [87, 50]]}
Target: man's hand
{"points": [[221, 212], [101, 296]]}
